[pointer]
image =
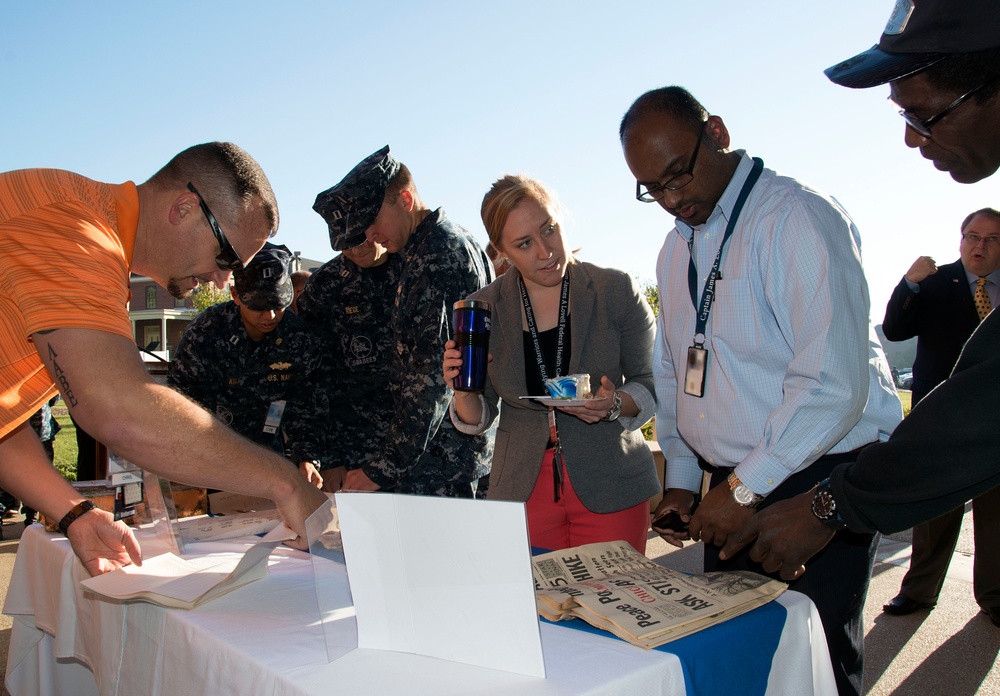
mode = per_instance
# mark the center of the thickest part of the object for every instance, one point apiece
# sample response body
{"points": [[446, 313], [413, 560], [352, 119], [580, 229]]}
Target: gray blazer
{"points": [[611, 333]]}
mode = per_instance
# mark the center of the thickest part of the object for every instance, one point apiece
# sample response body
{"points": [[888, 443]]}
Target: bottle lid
{"points": [[471, 304]]}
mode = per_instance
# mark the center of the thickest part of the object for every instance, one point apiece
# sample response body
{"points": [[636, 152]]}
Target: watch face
{"points": [[616, 409], [824, 506], [743, 495]]}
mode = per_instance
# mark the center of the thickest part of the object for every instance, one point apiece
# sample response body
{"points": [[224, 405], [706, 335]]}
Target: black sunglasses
{"points": [[923, 126], [228, 259]]}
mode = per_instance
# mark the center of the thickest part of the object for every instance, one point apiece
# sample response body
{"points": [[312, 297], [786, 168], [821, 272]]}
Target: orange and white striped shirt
{"points": [[65, 247]]}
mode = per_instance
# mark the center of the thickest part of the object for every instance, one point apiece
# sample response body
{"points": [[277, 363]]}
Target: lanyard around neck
{"points": [[529, 316], [708, 294]]}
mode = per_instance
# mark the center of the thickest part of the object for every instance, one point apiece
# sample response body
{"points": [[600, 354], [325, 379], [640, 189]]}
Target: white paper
{"points": [[443, 577], [205, 528], [168, 577]]}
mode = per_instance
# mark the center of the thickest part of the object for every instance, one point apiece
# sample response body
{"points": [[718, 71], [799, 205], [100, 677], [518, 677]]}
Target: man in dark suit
{"points": [[938, 306]]}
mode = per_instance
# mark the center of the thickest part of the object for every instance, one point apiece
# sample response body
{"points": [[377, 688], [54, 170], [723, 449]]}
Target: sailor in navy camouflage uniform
{"points": [[255, 366], [348, 305], [420, 452]]}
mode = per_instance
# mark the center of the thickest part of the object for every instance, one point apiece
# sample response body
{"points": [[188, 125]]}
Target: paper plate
{"points": [[549, 401]]}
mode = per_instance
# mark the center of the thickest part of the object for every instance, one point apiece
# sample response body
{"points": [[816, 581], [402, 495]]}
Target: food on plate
{"points": [[569, 387]]}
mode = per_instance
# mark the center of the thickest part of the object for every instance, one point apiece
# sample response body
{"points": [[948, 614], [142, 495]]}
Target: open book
{"points": [[615, 588], [171, 581]]}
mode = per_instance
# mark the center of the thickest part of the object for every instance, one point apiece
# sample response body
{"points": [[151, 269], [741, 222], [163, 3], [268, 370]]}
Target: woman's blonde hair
{"points": [[507, 193]]}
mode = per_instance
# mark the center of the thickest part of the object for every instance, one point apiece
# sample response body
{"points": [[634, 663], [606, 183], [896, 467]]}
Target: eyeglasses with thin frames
{"points": [[652, 191], [923, 126], [228, 259], [974, 239]]}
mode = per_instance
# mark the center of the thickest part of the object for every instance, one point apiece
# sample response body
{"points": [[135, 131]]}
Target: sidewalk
{"points": [[951, 650]]}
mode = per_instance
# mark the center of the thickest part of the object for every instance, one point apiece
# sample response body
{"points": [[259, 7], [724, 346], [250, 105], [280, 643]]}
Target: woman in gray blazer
{"points": [[584, 471]]}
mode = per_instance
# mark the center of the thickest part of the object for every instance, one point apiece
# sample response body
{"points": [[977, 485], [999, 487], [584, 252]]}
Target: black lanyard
{"points": [[529, 316], [708, 295]]}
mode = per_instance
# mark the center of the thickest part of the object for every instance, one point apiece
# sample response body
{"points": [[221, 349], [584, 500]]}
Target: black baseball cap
{"points": [[351, 206], [919, 34], [265, 283]]}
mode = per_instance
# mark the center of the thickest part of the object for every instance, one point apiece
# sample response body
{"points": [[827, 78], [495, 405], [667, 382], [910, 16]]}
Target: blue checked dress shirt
{"points": [[795, 370]]}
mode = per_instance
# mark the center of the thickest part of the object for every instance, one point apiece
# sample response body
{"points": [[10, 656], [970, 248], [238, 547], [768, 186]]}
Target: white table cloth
{"points": [[265, 638]]}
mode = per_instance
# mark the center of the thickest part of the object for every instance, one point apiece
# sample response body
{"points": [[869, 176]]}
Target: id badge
{"points": [[274, 414], [694, 378]]}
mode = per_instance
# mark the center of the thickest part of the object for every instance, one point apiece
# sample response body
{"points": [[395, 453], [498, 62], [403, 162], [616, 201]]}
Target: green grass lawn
{"points": [[65, 443], [904, 398]]}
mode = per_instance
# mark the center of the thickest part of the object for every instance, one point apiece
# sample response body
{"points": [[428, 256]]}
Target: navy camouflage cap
{"points": [[266, 282], [351, 206]]}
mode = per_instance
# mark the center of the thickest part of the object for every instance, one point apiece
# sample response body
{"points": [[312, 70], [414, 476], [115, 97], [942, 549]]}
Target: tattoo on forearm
{"points": [[64, 387]]}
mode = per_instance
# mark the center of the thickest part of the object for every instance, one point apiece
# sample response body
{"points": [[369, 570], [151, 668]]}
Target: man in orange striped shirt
{"points": [[68, 244]]}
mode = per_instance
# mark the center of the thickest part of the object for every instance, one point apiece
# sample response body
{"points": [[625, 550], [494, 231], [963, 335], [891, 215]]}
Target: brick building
{"points": [[158, 320]]}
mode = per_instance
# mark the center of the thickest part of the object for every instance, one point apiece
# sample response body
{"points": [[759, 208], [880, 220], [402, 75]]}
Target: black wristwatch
{"points": [[824, 506]]}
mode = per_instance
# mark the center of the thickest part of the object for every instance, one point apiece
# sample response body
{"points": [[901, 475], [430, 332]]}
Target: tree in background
{"points": [[208, 295], [652, 296]]}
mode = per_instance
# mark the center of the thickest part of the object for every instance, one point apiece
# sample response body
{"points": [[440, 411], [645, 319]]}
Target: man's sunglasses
{"points": [[228, 259]]}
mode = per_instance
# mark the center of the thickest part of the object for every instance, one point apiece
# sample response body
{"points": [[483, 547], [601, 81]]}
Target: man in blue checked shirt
{"points": [[941, 59], [768, 373]]}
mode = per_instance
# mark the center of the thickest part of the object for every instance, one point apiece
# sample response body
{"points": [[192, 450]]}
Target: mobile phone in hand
{"points": [[670, 522]]}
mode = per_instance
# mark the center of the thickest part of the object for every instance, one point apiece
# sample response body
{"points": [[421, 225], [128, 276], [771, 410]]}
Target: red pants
{"points": [[559, 525]]}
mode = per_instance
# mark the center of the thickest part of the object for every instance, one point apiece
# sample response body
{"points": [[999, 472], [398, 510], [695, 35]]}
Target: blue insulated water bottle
{"points": [[471, 319]]}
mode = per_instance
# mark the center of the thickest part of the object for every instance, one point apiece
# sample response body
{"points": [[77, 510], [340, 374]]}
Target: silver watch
{"points": [[616, 409], [741, 494]]}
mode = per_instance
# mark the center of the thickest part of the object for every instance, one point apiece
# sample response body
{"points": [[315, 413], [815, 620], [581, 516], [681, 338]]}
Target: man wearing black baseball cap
{"points": [[348, 303], [942, 60], [256, 366], [419, 452]]}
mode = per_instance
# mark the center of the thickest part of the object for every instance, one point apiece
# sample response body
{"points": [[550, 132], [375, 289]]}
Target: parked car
{"points": [[904, 378]]}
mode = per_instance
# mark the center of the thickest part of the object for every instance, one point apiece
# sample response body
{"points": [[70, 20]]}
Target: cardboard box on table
{"points": [[190, 500]]}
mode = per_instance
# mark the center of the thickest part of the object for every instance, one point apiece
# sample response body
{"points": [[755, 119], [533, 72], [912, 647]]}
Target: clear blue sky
{"points": [[464, 92]]}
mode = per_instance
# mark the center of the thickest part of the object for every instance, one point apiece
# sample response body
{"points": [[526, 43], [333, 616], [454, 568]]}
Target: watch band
{"points": [[77, 511], [616, 409]]}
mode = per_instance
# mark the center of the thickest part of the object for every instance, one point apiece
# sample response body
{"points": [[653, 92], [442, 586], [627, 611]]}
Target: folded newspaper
{"points": [[615, 588]]}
